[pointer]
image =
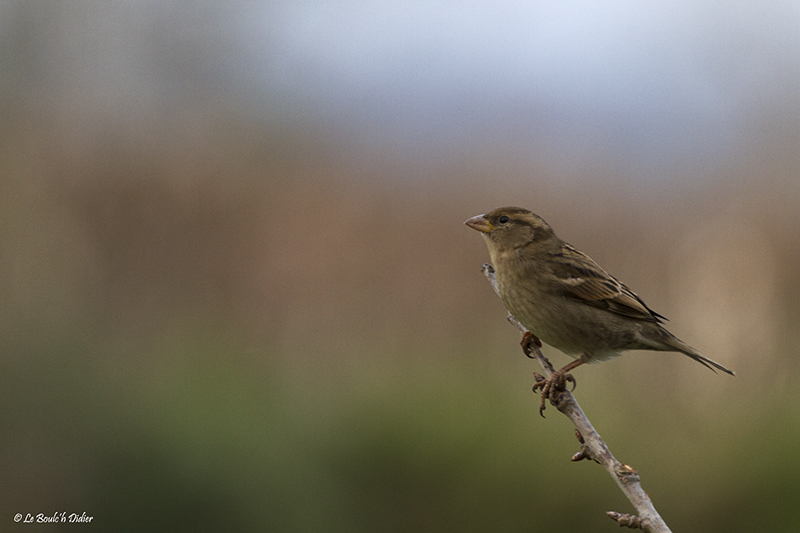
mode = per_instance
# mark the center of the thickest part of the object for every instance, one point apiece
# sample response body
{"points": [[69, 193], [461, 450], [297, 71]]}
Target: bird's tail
{"points": [[674, 343]]}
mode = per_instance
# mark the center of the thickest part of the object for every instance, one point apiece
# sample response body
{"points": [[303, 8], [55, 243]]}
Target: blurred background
{"points": [[236, 292]]}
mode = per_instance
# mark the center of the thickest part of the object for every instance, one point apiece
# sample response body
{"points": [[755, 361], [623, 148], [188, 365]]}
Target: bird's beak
{"points": [[480, 223]]}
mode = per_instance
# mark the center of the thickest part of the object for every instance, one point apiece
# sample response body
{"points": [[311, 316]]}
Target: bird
{"points": [[566, 299]]}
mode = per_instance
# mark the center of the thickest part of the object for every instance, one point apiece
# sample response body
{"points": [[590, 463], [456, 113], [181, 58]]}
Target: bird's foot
{"points": [[526, 340], [553, 386]]}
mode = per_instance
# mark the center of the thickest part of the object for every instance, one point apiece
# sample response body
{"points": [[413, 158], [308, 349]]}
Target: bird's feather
{"points": [[584, 281]]}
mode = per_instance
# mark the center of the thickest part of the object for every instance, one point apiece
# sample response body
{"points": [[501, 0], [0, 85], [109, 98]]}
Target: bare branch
{"points": [[593, 447]]}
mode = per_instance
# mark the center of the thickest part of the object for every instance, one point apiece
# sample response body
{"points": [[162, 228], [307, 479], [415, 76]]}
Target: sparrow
{"points": [[565, 299]]}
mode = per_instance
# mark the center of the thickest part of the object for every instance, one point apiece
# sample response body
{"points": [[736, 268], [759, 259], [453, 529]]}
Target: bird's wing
{"points": [[583, 280]]}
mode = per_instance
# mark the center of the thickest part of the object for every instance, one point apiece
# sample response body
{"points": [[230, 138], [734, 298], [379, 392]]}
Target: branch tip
{"points": [[627, 520], [580, 456]]}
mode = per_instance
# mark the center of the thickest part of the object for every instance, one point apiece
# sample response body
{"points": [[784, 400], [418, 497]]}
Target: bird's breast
{"points": [[547, 314]]}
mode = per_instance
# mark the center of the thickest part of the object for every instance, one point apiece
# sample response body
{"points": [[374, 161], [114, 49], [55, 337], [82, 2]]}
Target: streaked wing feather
{"points": [[583, 280]]}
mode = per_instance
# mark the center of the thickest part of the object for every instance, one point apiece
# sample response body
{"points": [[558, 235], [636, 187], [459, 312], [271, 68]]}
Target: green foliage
{"points": [[200, 433]]}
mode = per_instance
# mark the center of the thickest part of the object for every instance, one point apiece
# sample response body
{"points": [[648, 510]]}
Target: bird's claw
{"points": [[551, 387], [526, 340]]}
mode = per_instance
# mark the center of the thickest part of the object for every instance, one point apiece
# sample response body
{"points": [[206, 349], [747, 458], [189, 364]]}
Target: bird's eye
{"points": [[503, 219]]}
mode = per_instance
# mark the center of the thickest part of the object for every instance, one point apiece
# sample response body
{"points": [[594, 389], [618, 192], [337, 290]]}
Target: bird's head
{"points": [[507, 229]]}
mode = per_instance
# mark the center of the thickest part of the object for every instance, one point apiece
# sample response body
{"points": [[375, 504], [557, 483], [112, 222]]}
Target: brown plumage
{"points": [[564, 298]]}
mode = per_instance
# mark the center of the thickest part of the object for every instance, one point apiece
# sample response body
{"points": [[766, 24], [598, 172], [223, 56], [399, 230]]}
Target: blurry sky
{"points": [[663, 78], [659, 84]]}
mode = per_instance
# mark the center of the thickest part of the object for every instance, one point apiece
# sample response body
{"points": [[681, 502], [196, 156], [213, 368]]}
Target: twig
{"points": [[593, 447]]}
